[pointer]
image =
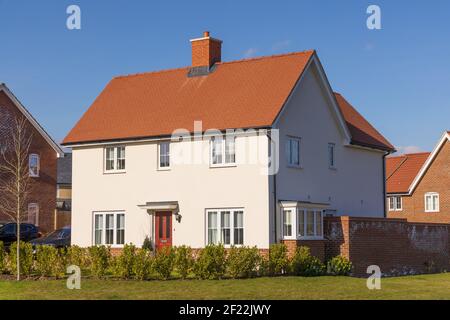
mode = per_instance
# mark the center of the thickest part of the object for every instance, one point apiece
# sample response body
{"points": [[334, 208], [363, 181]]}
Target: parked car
{"points": [[58, 239], [8, 233], [2, 223]]}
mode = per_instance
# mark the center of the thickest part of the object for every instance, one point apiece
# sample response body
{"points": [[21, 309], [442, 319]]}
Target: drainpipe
{"points": [[274, 196], [384, 184]]}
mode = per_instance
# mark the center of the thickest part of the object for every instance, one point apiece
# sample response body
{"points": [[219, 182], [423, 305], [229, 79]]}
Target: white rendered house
{"points": [[154, 155]]}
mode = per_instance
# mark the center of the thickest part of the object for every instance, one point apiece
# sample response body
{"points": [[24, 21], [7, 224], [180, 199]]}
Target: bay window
{"points": [[225, 226], [302, 223]]}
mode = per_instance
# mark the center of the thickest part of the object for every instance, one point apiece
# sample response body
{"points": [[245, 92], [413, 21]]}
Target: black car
{"points": [[58, 239], [8, 233]]}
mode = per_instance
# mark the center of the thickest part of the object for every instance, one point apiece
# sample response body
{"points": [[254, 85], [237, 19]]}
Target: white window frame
{"points": [[395, 202], [219, 212], [34, 156], [431, 195], [115, 159], [164, 168], [332, 155], [293, 213], [288, 152], [36, 215], [223, 149], [103, 230], [295, 223]]}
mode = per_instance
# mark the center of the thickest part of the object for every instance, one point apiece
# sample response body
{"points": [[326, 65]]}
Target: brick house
{"points": [[418, 185], [44, 153]]}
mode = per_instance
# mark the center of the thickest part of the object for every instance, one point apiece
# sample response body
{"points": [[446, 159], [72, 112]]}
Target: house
{"points": [[43, 156], [64, 192], [418, 185], [247, 152]]}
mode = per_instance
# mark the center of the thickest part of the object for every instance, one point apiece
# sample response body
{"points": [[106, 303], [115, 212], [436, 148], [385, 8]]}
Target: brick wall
{"points": [[436, 179], [43, 188], [398, 247], [317, 247]]}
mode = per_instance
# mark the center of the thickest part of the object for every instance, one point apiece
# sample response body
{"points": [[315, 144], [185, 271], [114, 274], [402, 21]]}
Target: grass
{"points": [[412, 287]]}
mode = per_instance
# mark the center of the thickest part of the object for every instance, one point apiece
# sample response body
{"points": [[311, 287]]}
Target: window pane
{"points": [[216, 150], [287, 223], [318, 223], [120, 234], [33, 164], [238, 227], [98, 229], [225, 227], [331, 154], [288, 151], [164, 155], [230, 156], [212, 228], [109, 159], [428, 203], [301, 223], [310, 223], [33, 214], [295, 152], [121, 158], [109, 232], [391, 203], [398, 203]]}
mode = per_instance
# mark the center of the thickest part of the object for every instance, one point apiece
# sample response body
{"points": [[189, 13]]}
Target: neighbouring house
{"points": [[64, 192], [249, 152], [418, 185], [43, 157]]}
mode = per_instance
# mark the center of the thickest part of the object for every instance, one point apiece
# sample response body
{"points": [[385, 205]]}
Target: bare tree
{"points": [[15, 178]]}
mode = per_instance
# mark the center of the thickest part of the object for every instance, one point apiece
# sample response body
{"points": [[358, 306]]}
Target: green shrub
{"points": [[2, 258], [50, 262], [124, 264], [304, 264], [25, 258], [142, 264], [147, 244], [243, 262], [183, 261], [163, 262], [77, 256], [99, 258], [339, 266], [211, 262], [278, 259]]}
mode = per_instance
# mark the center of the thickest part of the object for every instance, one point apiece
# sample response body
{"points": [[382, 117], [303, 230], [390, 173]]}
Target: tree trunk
{"points": [[18, 234]]}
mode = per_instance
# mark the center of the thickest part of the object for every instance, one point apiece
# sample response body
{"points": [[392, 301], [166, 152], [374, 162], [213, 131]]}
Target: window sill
{"points": [[432, 211], [293, 166], [225, 165], [115, 172], [164, 168]]}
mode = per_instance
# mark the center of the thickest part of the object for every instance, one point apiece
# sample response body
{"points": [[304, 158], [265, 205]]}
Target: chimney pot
{"points": [[206, 34]]}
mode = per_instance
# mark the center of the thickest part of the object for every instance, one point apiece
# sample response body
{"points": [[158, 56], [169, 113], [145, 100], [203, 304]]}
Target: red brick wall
{"points": [[436, 179], [317, 247], [398, 247], [206, 52], [43, 188]]}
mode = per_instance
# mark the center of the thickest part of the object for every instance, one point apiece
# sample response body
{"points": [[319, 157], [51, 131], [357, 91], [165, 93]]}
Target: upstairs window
{"points": [[432, 202], [331, 156], [395, 203], [293, 152], [115, 159], [164, 156], [223, 151], [34, 165]]}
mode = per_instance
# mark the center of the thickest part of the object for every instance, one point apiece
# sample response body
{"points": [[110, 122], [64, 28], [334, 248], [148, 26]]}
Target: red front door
{"points": [[163, 229]]}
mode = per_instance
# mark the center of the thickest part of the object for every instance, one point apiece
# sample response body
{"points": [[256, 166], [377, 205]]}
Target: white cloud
{"points": [[250, 52], [408, 149]]}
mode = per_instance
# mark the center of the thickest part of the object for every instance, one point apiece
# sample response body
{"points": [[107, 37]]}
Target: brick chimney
{"points": [[206, 51]]}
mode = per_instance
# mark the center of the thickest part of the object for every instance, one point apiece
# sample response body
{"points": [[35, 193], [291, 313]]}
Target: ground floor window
{"points": [[109, 228], [33, 214], [225, 226], [302, 223]]}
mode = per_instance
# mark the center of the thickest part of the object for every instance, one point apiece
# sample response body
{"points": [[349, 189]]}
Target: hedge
{"points": [[212, 262]]}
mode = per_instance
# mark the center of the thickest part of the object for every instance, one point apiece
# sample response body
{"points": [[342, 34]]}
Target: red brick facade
{"points": [[436, 179], [206, 51], [43, 188]]}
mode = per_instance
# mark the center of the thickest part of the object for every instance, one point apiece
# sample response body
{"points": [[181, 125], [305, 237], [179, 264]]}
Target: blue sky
{"points": [[397, 77]]}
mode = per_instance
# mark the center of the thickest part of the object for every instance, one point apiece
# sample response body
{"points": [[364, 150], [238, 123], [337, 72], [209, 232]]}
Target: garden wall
{"points": [[398, 247]]}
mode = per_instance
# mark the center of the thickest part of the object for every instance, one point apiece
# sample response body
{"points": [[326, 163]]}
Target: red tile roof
{"points": [[362, 132], [239, 94], [402, 170]]}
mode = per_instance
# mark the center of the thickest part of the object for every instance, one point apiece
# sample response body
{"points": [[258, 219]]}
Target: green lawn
{"points": [[414, 287]]}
